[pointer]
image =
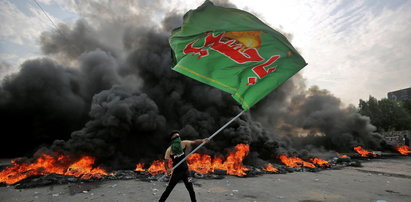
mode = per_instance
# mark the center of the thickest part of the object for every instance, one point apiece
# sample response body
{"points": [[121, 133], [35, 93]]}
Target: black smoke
{"points": [[105, 88], [47, 101]]}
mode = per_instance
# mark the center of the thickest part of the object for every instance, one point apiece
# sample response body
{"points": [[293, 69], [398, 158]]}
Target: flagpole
{"points": [[203, 143]]}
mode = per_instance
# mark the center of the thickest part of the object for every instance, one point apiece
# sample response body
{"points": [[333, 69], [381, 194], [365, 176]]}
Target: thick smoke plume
{"points": [[105, 88]]}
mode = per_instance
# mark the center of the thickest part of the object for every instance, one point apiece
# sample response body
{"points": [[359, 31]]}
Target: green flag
{"points": [[234, 51]]}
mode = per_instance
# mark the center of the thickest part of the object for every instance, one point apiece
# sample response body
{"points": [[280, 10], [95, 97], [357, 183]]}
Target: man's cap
{"points": [[172, 133]]}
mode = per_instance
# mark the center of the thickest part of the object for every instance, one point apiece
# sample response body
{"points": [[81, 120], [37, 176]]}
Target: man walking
{"points": [[176, 153]]}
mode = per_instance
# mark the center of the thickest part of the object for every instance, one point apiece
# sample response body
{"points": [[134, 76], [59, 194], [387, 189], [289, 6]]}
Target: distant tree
{"points": [[407, 105], [386, 114], [370, 108]]}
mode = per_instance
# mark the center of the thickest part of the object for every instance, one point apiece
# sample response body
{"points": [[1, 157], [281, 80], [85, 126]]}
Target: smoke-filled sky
{"points": [[100, 83], [353, 48]]}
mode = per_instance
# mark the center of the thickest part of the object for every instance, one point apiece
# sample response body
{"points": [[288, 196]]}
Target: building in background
{"points": [[400, 95]]}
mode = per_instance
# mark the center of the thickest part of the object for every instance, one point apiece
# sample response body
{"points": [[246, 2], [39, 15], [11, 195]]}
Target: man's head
{"points": [[174, 134]]}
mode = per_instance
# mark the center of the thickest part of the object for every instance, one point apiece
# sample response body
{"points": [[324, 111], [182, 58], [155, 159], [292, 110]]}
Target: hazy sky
{"points": [[353, 48]]}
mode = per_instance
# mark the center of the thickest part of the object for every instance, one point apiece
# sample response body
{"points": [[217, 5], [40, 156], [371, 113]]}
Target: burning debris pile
{"points": [[232, 164], [363, 152], [55, 168], [404, 150], [81, 167]]}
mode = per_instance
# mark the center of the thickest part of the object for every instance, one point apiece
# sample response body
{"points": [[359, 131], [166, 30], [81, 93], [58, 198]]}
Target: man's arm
{"points": [[167, 157], [168, 153], [187, 143], [201, 141]]}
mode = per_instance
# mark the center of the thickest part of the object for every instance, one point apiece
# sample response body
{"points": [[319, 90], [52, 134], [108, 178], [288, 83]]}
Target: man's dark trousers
{"points": [[175, 178]]}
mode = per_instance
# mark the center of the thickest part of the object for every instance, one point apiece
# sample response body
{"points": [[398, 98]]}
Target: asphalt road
{"points": [[378, 179]]}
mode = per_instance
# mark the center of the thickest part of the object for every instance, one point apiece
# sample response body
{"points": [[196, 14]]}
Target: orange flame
{"points": [[363, 152], [270, 168], [84, 168], [140, 167], [233, 164], [203, 163], [158, 167], [234, 161], [404, 150], [320, 162], [295, 162], [47, 164], [342, 155]]}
